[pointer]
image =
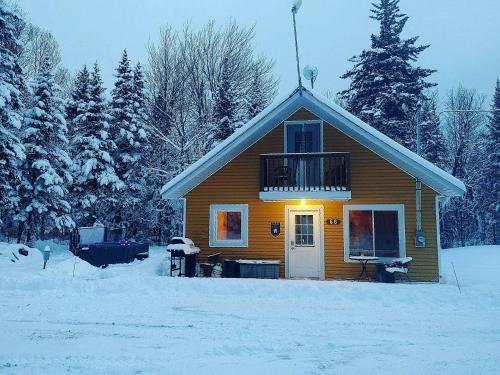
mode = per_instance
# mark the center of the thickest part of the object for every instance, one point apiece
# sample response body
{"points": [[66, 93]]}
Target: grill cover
{"points": [[183, 244]]}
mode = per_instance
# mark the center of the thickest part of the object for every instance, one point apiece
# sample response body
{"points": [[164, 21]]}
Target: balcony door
{"points": [[304, 137]]}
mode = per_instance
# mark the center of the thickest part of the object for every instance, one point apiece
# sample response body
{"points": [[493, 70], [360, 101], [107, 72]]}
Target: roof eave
{"points": [[235, 144], [404, 159]]}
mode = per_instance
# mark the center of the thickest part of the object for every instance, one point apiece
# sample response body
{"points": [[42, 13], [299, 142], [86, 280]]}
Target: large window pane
{"points": [[360, 233], [228, 225], [386, 233]]}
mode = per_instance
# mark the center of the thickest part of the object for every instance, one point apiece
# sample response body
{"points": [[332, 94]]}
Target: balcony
{"points": [[315, 175]]}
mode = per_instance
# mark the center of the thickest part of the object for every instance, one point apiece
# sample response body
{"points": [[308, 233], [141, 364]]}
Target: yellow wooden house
{"points": [[311, 185]]}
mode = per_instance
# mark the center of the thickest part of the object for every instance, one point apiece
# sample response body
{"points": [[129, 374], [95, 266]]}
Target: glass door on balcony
{"points": [[304, 138]]}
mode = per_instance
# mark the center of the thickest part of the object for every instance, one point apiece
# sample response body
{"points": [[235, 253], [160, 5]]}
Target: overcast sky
{"points": [[464, 34]]}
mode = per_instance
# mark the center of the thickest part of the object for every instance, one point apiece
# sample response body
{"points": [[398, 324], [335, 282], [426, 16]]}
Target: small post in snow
{"points": [[46, 255], [456, 278]]}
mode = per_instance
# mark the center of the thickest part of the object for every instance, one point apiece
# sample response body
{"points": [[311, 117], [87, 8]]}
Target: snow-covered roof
{"points": [[281, 109]]}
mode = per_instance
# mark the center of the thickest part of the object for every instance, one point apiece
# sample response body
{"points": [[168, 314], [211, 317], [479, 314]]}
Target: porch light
{"points": [[302, 202]]}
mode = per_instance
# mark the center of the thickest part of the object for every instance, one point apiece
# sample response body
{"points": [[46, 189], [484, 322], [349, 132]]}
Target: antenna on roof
{"points": [[310, 73], [295, 8]]}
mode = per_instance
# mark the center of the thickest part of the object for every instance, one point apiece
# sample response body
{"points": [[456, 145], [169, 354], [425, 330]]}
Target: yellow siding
{"points": [[374, 180]]}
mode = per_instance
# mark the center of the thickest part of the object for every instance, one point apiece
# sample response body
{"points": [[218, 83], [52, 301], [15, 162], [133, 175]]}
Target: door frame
{"points": [[320, 123], [321, 225], [300, 122]]}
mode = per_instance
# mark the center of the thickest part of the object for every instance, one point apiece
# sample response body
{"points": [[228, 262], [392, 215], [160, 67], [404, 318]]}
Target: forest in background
{"points": [[74, 153]]}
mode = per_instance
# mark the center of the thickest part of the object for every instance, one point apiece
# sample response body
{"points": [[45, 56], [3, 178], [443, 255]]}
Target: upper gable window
{"points": [[303, 136]]}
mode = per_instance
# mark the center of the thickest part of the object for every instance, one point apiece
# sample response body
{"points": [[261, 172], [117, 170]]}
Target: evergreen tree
{"points": [[96, 181], [127, 131], [384, 80], [260, 92], [138, 194], [46, 171], [11, 87], [77, 105], [225, 110], [491, 186], [139, 96], [432, 141]]}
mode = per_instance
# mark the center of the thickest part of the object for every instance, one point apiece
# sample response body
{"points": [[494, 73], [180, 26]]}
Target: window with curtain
{"points": [[375, 231], [228, 225]]}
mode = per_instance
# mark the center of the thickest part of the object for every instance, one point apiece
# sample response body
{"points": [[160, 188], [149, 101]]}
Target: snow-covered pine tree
{"points": [[128, 133], [432, 141], [137, 182], [11, 87], [77, 105], [229, 109], [491, 186], [46, 170], [261, 91], [225, 108], [384, 77], [139, 93], [96, 182]]}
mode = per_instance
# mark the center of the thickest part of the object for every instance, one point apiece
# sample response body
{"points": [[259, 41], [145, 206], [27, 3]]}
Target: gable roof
{"points": [[404, 159]]}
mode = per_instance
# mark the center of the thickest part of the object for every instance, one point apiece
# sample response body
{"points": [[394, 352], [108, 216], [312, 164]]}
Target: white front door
{"points": [[304, 243]]}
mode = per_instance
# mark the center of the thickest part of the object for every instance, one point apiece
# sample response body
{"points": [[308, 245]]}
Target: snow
{"points": [[131, 319]]}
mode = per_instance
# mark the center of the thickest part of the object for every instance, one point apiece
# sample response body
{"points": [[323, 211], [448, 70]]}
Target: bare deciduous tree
{"points": [[38, 46], [184, 77], [464, 128]]}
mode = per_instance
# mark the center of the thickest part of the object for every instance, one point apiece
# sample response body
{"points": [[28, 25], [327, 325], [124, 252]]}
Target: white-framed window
{"points": [[374, 230], [228, 225]]}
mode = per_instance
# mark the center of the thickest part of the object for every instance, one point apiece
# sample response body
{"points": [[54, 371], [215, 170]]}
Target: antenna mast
{"points": [[295, 9]]}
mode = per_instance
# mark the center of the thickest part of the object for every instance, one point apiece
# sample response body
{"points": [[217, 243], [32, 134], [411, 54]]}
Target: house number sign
{"points": [[275, 228], [333, 221]]}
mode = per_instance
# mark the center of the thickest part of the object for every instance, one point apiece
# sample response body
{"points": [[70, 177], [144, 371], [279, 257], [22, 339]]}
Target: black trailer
{"points": [[91, 245]]}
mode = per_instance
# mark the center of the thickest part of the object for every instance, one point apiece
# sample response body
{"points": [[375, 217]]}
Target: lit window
{"points": [[228, 225], [304, 230], [374, 230]]}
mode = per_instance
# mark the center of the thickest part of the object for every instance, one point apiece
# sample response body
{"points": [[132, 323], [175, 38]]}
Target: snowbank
{"points": [[476, 267], [19, 256], [129, 319]]}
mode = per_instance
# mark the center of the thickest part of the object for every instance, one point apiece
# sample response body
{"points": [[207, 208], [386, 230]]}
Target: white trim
{"points": [[184, 216], [318, 194], [404, 159], [321, 224], [213, 241], [299, 122], [376, 207], [438, 235]]}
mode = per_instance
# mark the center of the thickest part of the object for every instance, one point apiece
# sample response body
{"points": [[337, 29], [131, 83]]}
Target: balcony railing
{"points": [[308, 172]]}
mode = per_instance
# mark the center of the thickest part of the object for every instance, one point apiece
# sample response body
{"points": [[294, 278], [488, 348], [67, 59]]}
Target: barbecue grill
{"points": [[182, 253]]}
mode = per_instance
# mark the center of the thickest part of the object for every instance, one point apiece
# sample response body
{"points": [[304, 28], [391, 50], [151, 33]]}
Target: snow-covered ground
{"points": [[129, 319]]}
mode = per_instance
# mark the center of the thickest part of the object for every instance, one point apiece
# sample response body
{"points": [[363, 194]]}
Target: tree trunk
{"points": [[20, 230], [30, 229]]}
